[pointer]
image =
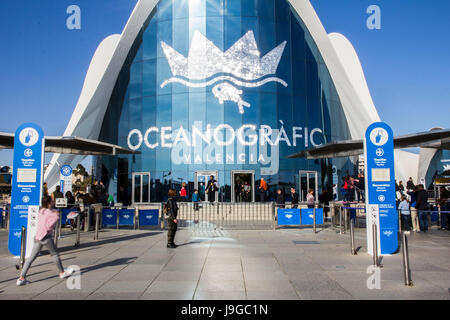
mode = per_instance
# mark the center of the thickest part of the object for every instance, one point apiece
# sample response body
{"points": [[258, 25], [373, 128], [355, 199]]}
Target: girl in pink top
{"points": [[47, 221]]}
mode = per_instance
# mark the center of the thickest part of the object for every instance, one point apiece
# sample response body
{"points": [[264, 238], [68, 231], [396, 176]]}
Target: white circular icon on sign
{"points": [[28, 153], [66, 171], [379, 136], [381, 198], [28, 137], [379, 152], [26, 199]]}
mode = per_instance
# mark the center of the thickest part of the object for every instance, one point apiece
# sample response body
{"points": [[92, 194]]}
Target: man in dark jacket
{"points": [[172, 222], [294, 196], [422, 206], [410, 184], [280, 199]]}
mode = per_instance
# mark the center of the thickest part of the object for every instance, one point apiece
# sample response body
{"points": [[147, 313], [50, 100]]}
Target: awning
{"points": [[71, 145], [437, 139]]}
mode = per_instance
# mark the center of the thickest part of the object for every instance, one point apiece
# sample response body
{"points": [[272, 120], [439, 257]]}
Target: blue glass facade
{"points": [[176, 126]]}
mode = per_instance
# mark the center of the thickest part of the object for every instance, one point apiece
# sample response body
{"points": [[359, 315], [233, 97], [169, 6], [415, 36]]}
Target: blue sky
{"points": [[43, 64]]}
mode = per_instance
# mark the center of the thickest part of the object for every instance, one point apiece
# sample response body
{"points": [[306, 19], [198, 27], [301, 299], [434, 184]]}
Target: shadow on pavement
{"points": [[106, 241]]}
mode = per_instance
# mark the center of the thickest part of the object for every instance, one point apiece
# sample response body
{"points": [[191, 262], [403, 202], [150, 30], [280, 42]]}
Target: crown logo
{"points": [[446, 167], [239, 66]]}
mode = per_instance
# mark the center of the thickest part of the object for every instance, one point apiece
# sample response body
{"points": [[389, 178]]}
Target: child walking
{"points": [[48, 218]]}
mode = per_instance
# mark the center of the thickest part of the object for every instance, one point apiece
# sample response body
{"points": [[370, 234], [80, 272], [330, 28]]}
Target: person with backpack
{"points": [[405, 213], [47, 220], [171, 211]]}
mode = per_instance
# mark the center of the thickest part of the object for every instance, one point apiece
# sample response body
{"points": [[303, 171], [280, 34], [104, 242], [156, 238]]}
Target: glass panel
{"points": [[137, 189], [145, 188], [303, 186]]}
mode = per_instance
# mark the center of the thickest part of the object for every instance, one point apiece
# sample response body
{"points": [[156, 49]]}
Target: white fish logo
{"points": [[241, 66], [388, 233], [126, 216], [149, 217], [288, 216], [17, 234], [109, 216]]}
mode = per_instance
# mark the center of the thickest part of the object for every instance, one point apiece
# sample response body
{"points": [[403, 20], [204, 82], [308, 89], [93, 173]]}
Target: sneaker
{"points": [[67, 273], [171, 245], [23, 282]]}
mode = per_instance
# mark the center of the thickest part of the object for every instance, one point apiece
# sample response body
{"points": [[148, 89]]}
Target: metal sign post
{"points": [[26, 186], [380, 188]]}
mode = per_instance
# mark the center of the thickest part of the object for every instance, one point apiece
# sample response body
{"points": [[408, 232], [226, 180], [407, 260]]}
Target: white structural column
{"points": [[101, 78]]}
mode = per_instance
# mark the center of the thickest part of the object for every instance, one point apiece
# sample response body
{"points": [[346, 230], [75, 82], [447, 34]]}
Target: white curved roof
{"points": [[339, 56]]}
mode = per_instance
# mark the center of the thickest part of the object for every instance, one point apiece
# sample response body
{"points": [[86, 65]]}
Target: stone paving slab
{"points": [[286, 264]]}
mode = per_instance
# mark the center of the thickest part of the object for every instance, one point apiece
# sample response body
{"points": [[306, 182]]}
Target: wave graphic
{"points": [[223, 78]]}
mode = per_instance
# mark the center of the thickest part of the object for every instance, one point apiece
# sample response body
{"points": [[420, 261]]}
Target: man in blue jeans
{"points": [[422, 207]]}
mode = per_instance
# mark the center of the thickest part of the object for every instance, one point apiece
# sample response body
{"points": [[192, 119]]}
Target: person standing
{"points": [[262, 190], [280, 199], [294, 196], [247, 189], [310, 200], [211, 188], [172, 212], [237, 191], [444, 207], [183, 192], [195, 199], [414, 213], [422, 206], [405, 214], [324, 199], [47, 220], [410, 184], [57, 194]]}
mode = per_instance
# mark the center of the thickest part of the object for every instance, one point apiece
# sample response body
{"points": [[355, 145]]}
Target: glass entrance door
{"points": [[308, 180], [243, 186], [141, 187], [200, 183]]}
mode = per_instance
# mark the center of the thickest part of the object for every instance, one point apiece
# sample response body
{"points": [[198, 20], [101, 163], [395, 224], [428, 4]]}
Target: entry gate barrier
{"points": [[226, 215]]}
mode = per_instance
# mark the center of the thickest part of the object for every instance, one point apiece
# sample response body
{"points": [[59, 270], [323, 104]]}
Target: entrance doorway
{"points": [[140, 188], [243, 186], [308, 180], [201, 179]]}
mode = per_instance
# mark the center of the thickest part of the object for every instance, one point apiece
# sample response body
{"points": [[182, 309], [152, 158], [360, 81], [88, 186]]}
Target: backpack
{"points": [[166, 209]]}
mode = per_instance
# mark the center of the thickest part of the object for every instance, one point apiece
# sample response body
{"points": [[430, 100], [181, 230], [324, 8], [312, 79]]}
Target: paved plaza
{"points": [[222, 264]]}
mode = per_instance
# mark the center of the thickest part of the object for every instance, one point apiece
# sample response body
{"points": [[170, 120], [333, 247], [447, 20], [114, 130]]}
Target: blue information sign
{"points": [[288, 217], [308, 216], [148, 217], [380, 186], [109, 217], [126, 217], [26, 183]]}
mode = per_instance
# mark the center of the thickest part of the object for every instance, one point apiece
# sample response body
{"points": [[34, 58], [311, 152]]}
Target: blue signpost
{"points": [[26, 185], [380, 188]]}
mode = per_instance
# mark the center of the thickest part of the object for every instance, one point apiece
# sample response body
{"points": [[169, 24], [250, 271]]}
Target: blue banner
{"points": [[149, 217], [26, 183], [380, 185], [288, 217], [109, 217], [126, 217], [308, 216]]}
